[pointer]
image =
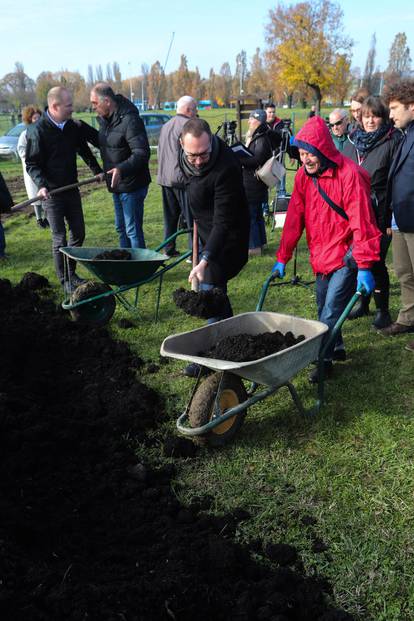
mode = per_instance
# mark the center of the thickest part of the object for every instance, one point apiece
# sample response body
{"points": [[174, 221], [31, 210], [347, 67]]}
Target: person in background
{"points": [[312, 111], [170, 176], [6, 203], [52, 147], [338, 123], [30, 114], [274, 122], [372, 146], [125, 153], [218, 203], [400, 200], [357, 100], [262, 142], [331, 200]]}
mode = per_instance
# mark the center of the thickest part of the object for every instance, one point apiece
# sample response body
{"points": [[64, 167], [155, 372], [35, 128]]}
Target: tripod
{"points": [[295, 280]]}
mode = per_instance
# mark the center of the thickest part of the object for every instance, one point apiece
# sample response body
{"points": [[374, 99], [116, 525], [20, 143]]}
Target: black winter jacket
{"points": [[377, 163], [264, 141], [6, 200], [51, 152], [401, 186], [219, 206], [124, 144]]}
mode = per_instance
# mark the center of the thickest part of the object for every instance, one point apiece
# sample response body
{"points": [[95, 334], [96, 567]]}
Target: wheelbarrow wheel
{"points": [[201, 411], [97, 312]]}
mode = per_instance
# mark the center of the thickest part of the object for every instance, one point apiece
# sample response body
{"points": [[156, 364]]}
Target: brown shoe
{"points": [[395, 329], [410, 346]]}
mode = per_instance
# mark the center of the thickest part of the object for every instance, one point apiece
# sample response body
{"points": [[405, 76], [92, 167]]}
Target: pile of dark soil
{"points": [[113, 255], [86, 532], [202, 304], [245, 347]]}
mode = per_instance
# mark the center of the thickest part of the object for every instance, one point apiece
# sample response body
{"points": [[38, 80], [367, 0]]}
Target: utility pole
{"points": [[131, 94]]}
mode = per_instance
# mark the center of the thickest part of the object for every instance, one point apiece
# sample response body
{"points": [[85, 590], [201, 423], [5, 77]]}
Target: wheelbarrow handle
{"points": [[64, 188], [264, 290]]}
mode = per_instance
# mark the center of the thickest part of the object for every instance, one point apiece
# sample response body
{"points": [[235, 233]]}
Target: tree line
{"points": [[307, 57]]}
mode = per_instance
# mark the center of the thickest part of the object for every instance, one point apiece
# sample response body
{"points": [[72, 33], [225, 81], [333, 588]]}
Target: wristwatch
{"points": [[205, 255]]}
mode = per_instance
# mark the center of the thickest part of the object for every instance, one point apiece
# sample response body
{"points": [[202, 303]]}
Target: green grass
{"points": [[350, 468]]}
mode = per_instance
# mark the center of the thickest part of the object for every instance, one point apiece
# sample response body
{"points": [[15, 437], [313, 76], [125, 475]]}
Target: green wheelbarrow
{"points": [[219, 401], [95, 302]]}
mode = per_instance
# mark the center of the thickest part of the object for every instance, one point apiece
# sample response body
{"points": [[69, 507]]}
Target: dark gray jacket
{"points": [[400, 184], [170, 174]]}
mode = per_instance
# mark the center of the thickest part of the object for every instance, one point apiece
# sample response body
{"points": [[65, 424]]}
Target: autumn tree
{"points": [[368, 77], [17, 87], [258, 80], [344, 80], [240, 75], [399, 63], [304, 41], [45, 81], [224, 84], [155, 85]]}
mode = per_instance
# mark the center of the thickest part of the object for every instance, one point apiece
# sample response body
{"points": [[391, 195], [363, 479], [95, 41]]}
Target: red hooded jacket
{"points": [[328, 234]]}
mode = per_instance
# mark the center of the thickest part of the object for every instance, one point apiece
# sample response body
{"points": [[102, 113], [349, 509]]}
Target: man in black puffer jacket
{"points": [[52, 146], [125, 152]]}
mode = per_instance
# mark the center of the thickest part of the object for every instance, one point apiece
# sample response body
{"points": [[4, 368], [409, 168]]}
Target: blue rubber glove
{"points": [[279, 268], [365, 279]]}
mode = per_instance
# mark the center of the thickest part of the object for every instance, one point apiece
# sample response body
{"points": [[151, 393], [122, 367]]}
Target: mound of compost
{"points": [[202, 304], [88, 533], [113, 255], [245, 347]]}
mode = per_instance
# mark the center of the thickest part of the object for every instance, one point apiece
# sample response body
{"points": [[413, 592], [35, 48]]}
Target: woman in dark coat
{"points": [[261, 141], [372, 145]]}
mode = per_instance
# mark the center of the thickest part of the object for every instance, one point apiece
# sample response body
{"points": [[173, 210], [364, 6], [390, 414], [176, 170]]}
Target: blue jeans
{"points": [[333, 292], [227, 310], [2, 240], [257, 237], [129, 215]]}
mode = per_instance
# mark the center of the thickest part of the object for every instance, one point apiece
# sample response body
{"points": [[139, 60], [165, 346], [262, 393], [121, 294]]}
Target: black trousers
{"points": [[175, 204], [382, 280], [61, 210]]}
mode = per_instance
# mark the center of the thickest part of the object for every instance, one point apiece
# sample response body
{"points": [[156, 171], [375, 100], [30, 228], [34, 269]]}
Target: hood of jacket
{"points": [[316, 133]]}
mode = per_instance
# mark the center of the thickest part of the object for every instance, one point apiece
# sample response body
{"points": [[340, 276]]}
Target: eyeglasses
{"points": [[337, 123], [192, 157]]}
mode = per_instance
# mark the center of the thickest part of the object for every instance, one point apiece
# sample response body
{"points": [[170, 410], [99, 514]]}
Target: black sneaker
{"points": [[192, 370], [46, 224], [339, 355], [382, 319], [41, 224], [76, 281], [172, 253], [328, 371]]}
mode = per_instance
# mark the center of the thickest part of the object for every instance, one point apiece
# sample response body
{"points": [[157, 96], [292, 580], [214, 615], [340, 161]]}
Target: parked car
{"points": [[153, 123], [8, 142]]}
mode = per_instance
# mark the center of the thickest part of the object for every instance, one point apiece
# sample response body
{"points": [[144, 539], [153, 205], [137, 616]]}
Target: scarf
{"points": [[192, 171], [366, 141]]}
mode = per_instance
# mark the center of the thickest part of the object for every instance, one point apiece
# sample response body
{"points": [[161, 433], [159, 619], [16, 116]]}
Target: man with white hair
{"points": [[170, 176], [338, 124]]}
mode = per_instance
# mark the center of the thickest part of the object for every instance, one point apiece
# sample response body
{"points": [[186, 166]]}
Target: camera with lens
{"points": [[287, 124], [229, 131]]}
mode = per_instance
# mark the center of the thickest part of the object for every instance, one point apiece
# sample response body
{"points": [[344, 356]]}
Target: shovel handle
{"points": [[194, 281], [64, 188]]}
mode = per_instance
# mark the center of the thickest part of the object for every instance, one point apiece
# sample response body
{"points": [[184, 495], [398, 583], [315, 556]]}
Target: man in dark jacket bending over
{"points": [[125, 152], [52, 145], [219, 207]]}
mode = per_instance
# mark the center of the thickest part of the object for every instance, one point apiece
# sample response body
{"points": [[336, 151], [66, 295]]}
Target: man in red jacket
{"points": [[331, 200]]}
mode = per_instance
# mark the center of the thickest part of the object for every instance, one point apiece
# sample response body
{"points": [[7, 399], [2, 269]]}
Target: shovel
{"points": [[64, 188]]}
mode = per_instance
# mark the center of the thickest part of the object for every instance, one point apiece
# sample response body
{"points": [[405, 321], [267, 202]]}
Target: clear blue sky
{"points": [[72, 34]]}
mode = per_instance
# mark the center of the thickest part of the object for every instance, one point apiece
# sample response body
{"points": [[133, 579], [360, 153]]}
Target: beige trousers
{"points": [[403, 260]]}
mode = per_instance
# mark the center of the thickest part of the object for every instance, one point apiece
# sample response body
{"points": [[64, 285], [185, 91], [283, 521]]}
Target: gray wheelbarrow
{"points": [[95, 302], [219, 402]]}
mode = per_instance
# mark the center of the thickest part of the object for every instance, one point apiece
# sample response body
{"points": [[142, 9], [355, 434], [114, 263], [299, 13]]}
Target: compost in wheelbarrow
{"points": [[142, 264], [273, 370]]}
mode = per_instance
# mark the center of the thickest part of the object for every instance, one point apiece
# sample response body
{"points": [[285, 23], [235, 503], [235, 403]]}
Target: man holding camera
{"points": [[331, 200]]}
